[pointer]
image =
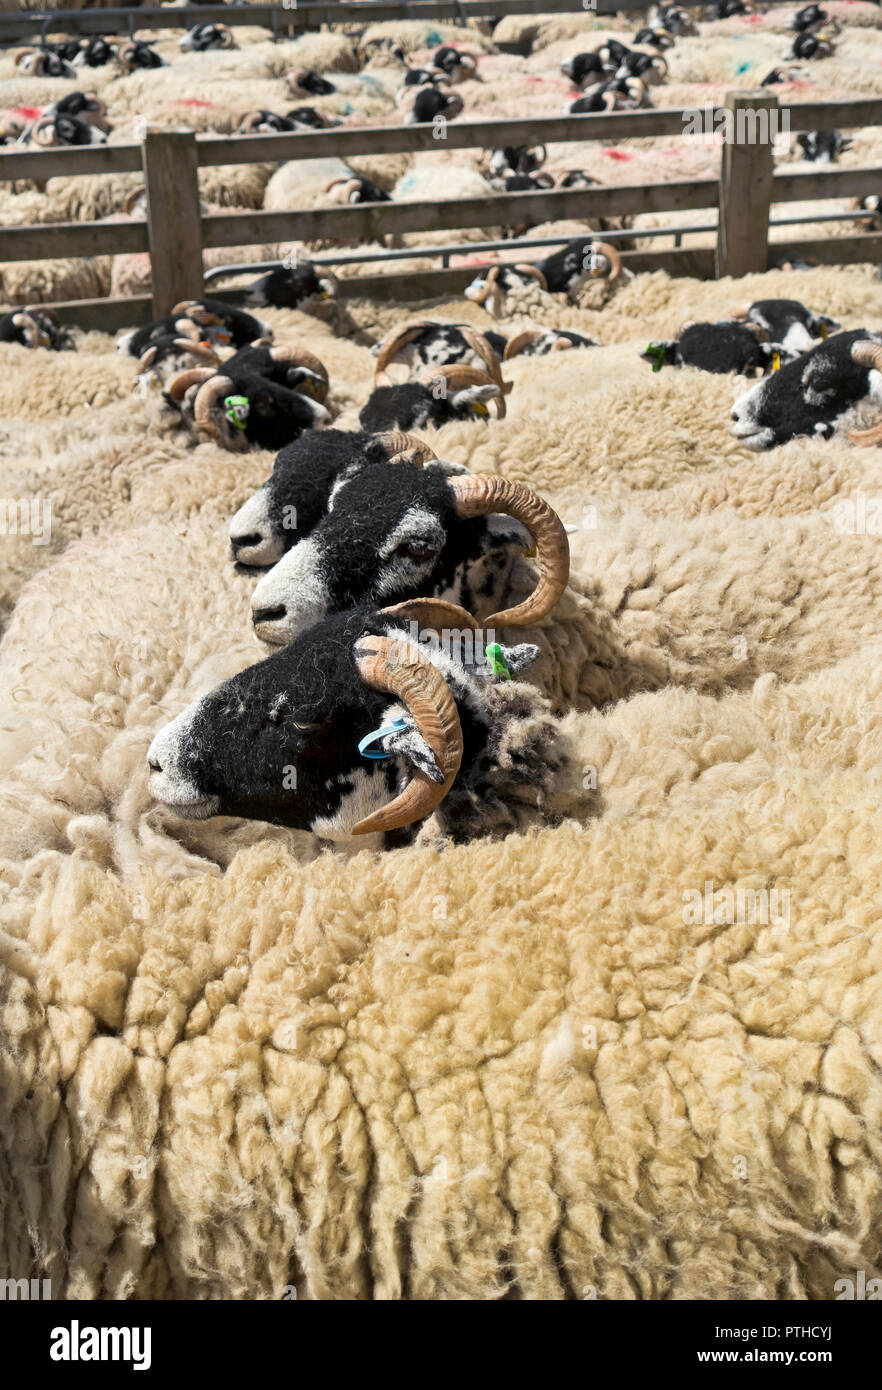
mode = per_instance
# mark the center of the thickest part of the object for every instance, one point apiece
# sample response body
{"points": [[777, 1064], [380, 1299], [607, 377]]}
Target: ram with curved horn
{"points": [[384, 726], [304, 483], [538, 342], [452, 392], [395, 531], [262, 398], [563, 272], [424, 344]]}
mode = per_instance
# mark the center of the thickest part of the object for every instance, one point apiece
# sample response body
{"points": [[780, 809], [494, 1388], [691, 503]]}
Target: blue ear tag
{"points": [[657, 350], [493, 653], [364, 747]]}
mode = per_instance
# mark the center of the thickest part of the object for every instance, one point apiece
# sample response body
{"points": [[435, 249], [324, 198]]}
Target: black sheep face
{"points": [[806, 397], [789, 324], [293, 287], [713, 347], [412, 406], [279, 741], [297, 494], [392, 533]]}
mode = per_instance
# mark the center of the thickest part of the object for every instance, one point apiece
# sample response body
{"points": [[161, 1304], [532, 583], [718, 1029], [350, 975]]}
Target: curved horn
{"points": [[132, 199], [390, 346], [405, 446], [660, 64], [609, 100], [479, 344], [226, 36], [25, 53], [300, 357], [612, 255], [521, 341], [45, 123], [868, 354], [540, 159], [424, 692], [196, 349], [250, 122], [476, 495], [182, 383], [534, 271], [436, 613], [458, 376], [207, 397]]}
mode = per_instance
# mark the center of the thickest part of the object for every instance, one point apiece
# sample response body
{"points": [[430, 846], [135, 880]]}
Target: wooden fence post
{"points": [[174, 226], [746, 183]]}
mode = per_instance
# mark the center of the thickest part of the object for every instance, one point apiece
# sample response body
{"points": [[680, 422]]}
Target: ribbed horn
{"points": [[436, 613], [612, 255], [480, 494], [204, 406], [300, 357], [457, 376], [479, 344], [521, 341], [196, 349], [425, 694], [489, 281], [390, 346], [226, 36], [400, 446], [534, 271], [182, 383], [45, 123], [132, 199]]}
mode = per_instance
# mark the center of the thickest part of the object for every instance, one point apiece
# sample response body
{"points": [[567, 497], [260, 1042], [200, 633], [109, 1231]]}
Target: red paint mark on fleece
{"points": [[192, 102], [29, 113], [622, 155]]}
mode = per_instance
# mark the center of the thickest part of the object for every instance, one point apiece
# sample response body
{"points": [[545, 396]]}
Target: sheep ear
{"points": [[474, 396], [445, 468], [409, 743], [519, 657]]}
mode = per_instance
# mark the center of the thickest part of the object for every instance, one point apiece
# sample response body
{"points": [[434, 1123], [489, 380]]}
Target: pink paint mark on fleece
{"points": [[28, 113], [190, 101], [622, 155]]}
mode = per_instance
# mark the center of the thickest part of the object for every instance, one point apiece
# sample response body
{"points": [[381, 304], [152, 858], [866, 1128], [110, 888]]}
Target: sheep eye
{"points": [[415, 550]]}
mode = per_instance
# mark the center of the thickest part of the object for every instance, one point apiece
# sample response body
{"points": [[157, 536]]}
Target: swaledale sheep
{"points": [[563, 272], [715, 347], [446, 393], [788, 322], [810, 395], [457, 745]]}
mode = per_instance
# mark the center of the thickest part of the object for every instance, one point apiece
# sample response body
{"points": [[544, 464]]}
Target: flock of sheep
{"points": [[564, 591]]}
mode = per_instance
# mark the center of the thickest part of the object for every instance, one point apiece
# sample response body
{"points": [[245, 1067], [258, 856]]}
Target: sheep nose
{"points": [[268, 615], [243, 542], [154, 765]]}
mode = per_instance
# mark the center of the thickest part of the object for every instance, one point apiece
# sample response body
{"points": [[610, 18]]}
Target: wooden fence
{"points": [[176, 235], [297, 16]]}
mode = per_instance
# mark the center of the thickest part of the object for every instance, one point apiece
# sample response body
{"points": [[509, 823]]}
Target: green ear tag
{"points": [[236, 410], [493, 653], [657, 350]]}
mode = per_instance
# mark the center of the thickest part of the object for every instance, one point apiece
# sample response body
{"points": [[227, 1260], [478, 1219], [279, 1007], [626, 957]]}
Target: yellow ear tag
{"points": [[480, 408], [823, 330], [776, 361], [531, 553]]}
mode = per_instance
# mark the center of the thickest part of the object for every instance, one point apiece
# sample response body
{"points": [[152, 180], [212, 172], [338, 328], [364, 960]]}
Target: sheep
{"points": [[823, 146], [788, 323], [299, 286], [781, 75], [167, 356], [355, 190], [42, 62], [538, 342], [563, 272], [203, 37], [674, 18], [429, 104], [585, 69], [212, 319], [64, 129], [400, 530], [619, 93], [96, 52], [516, 159], [426, 344], [439, 754], [659, 39], [300, 490], [140, 53], [447, 393], [35, 327], [811, 395], [808, 18], [308, 82], [456, 64], [262, 397], [715, 347], [819, 45]]}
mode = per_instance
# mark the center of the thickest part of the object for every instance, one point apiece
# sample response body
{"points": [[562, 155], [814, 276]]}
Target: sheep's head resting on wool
{"points": [[210, 321], [453, 392], [424, 345], [808, 396], [35, 327], [302, 286], [280, 741], [397, 530], [726, 346], [262, 397], [306, 477], [787, 323], [565, 271]]}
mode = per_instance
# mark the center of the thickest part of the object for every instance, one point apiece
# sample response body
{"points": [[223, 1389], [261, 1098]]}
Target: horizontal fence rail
{"points": [[302, 16], [169, 161]]}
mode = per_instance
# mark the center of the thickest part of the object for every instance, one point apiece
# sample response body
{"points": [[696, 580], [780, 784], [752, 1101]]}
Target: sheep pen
{"points": [[629, 1049]]}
